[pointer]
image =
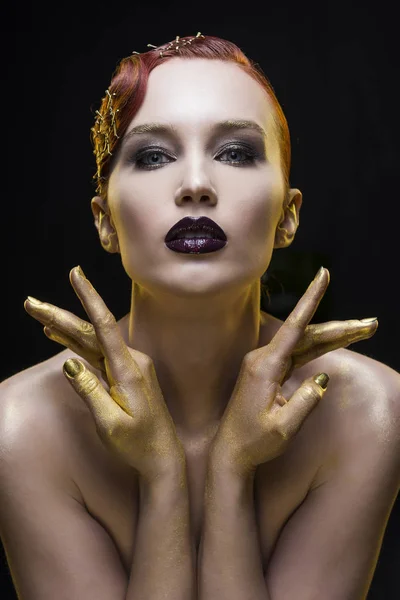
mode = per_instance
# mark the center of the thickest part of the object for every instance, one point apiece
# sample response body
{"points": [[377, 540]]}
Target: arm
{"points": [[54, 547], [328, 549], [229, 561], [330, 546], [164, 559]]}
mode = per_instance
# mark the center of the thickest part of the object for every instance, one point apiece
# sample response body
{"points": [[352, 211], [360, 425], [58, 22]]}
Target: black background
{"points": [[333, 68]]}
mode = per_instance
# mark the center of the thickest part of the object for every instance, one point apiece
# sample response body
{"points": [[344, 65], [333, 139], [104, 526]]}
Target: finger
{"points": [[64, 321], [279, 350], [120, 364], [106, 412], [96, 360], [292, 415], [321, 338]]}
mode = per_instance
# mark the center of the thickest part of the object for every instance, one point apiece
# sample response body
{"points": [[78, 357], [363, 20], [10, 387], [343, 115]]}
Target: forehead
{"points": [[196, 92]]}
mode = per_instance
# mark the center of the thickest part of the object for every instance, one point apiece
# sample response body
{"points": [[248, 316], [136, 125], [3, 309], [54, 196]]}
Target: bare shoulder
{"points": [[39, 416], [359, 418], [40, 390], [363, 386]]}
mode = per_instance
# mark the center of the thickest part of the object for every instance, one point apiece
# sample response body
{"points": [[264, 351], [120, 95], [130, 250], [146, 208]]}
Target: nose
{"points": [[196, 185]]}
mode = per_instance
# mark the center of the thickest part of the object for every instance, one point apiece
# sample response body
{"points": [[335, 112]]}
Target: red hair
{"points": [[128, 87]]}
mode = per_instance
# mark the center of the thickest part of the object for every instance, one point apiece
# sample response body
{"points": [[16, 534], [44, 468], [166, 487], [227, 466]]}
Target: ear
{"points": [[104, 224], [289, 220]]}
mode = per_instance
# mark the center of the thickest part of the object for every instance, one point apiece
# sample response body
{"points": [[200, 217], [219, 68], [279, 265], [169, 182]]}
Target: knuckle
{"points": [[108, 321], [132, 378], [147, 363], [278, 427], [315, 389], [52, 315], [88, 384], [142, 359], [85, 327], [253, 368], [277, 362], [247, 359], [253, 363], [307, 390]]}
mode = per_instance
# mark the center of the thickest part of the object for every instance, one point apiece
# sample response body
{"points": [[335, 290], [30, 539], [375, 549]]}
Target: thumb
{"points": [[293, 414], [88, 386]]}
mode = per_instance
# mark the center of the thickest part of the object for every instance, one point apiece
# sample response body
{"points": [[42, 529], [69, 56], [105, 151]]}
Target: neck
{"points": [[197, 347]]}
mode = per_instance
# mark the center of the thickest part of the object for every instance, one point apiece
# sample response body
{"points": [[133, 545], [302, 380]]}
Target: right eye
{"points": [[150, 159]]}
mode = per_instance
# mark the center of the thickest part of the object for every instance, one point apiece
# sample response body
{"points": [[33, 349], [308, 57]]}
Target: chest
{"points": [[111, 493]]}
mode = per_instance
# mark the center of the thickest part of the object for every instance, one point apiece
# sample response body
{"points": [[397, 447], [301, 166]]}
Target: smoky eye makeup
{"points": [[156, 152]]}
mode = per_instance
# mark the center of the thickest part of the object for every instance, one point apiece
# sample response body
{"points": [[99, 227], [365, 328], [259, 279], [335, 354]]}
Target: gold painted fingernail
{"points": [[315, 278], [34, 301], [80, 272], [322, 380], [72, 367], [371, 320]]}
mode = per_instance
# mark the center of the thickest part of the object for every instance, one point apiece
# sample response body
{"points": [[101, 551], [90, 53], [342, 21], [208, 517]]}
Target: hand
{"points": [[131, 418], [259, 423]]}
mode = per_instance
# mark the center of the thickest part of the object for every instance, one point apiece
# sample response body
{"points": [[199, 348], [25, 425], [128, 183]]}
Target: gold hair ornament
{"points": [[178, 43], [105, 126]]}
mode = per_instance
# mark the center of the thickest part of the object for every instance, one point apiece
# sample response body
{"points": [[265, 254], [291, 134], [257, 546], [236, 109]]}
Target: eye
{"points": [[150, 159], [235, 151]]}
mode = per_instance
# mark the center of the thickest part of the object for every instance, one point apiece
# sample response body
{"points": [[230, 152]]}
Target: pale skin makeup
{"points": [[197, 315]]}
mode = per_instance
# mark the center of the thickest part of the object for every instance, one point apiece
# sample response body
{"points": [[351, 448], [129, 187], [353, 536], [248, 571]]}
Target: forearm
{"points": [[163, 564], [229, 561]]}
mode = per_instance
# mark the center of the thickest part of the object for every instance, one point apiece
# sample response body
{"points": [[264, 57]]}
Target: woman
{"points": [[187, 451]]}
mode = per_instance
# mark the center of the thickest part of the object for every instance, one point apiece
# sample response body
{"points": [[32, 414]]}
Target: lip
{"points": [[196, 224], [196, 245]]}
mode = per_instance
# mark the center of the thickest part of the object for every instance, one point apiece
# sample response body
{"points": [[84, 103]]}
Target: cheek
{"points": [[131, 209], [259, 205]]}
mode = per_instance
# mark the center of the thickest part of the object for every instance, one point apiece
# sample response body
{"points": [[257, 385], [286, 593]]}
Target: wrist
{"points": [[170, 475], [228, 464]]}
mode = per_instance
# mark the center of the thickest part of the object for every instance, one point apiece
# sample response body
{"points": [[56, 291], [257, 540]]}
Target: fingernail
{"points": [[319, 273], [322, 380], [80, 272], [34, 301], [72, 367], [371, 320]]}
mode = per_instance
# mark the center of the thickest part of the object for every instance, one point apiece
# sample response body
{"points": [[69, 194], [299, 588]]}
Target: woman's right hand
{"points": [[132, 418]]}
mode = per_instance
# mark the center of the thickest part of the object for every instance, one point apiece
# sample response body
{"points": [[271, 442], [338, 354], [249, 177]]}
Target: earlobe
{"points": [[104, 224], [289, 220]]}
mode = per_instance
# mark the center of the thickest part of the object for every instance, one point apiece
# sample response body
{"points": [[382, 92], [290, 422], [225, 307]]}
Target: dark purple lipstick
{"points": [[195, 235]]}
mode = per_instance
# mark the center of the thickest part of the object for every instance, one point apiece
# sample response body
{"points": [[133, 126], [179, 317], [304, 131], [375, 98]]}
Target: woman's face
{"points": [[198, 168]]}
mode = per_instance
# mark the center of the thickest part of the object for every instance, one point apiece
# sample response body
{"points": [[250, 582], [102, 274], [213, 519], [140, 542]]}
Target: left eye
{"points": [[234, 151]]}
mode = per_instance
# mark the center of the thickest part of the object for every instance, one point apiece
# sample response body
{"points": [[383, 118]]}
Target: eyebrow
{"points": [[222, 126]]}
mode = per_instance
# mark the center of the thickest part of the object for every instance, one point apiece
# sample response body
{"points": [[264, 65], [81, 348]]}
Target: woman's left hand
{"points": [[259, 423]]}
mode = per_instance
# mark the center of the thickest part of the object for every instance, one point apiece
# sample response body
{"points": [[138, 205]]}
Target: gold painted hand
{"points": [[259, 423], [132, 418]]}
